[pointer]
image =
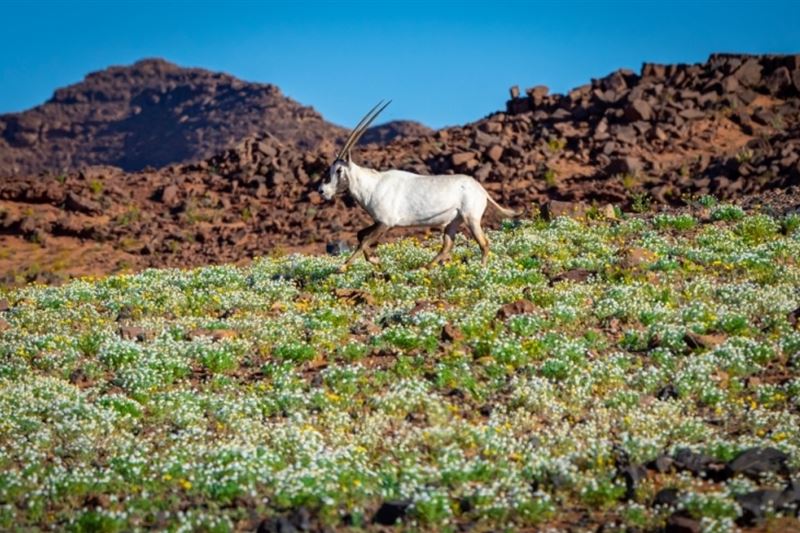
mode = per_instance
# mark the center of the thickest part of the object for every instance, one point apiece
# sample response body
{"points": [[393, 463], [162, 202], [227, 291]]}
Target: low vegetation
{"points": [[539, 391]]}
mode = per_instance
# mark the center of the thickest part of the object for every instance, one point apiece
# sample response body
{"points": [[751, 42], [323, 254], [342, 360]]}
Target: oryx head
{"points": [[338, 180]]}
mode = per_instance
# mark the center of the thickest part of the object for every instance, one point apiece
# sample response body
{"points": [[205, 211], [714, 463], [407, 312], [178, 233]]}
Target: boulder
{"points": [[756, 504], [519, 307], [680, 523], [749, 73], [82, 204], [779, 81], [494, 153], [462, 158], [666, 498], [638, 110], [756, 461], [170, 196], [390, 512], [624, 165]]}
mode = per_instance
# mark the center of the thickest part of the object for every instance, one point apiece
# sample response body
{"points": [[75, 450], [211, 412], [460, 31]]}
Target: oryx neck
{"points": [[362, 183]]}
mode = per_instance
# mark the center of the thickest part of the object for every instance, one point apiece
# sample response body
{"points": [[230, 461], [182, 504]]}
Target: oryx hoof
{"points": [[374, 260]]}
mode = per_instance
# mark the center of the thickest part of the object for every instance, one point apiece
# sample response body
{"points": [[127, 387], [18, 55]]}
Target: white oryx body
{"points": [[399, 198], [396, 198]]}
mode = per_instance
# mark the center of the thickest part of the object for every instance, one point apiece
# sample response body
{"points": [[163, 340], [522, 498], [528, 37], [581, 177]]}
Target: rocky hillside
{"points": [[152, 113], [728, 127]]}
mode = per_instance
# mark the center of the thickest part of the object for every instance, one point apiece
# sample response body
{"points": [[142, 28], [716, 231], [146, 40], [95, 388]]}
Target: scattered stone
{"points": [[663, 464], [700, 464], [556, 208], [4, 306], [82, 205], [4, 326], [666, 498], [276, 524], [95, 501], [214, 334], [133, 333], [577, 275], [339, 247], [757, 461], [634, 258], [390, 512], [756, 504], [792, 317], [696, 340], [355, 296], [79, 378], [451, 333], [680, 523], [667, 392], [519, 307]]}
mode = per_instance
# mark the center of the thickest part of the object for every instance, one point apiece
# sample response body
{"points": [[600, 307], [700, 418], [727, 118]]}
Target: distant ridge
{"points": [[152, 113]]}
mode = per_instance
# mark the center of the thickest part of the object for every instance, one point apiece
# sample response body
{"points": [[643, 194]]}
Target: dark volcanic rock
{"points": [[680, 523], [756, 504], [757, 461], [390, 512], [666, 498]]}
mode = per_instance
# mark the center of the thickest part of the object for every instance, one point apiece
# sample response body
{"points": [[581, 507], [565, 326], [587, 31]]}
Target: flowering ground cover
{"points": [[633, 373]]}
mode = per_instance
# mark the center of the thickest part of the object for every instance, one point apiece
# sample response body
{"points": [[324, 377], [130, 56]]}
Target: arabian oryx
{"points": [[398, 198]]}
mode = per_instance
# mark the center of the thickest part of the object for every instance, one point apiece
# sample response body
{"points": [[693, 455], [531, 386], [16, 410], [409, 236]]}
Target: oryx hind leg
{"points": [[474, 225], [448, 238]]}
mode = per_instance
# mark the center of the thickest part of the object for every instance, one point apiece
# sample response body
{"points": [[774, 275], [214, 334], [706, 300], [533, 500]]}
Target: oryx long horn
{"points": [[361, 127]]}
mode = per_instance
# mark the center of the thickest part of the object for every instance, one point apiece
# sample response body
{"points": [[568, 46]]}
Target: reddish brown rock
{"points": [[462, 158], [75, 202], [495, 152], [556, 208], [519, 307]]}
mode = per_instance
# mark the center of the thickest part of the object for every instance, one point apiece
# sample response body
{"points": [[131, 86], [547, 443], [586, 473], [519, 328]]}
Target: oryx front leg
{"points": [[370, 241], [448, 238], [365, 238]]}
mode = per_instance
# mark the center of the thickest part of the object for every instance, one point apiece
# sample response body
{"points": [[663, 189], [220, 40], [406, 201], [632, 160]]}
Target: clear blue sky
{"points": [[441, 62]]}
